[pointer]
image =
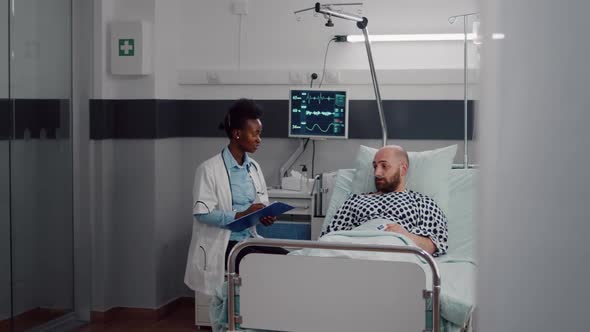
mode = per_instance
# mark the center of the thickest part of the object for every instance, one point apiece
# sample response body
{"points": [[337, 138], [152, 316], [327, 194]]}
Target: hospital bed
{"points": [[384, 287]]}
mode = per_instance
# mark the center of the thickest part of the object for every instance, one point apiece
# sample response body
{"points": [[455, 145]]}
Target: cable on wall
{"points": [[312, 158], [325, 57], [240, 42]]}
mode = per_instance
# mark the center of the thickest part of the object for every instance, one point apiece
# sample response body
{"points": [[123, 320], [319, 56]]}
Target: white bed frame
{"points": [[307, 293]]}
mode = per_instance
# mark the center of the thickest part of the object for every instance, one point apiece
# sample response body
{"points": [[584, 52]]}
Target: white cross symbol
{"points": [[126, 47]]}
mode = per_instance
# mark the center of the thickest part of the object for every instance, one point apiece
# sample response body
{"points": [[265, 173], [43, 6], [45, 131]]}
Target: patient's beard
{"points": [[389, 185]]}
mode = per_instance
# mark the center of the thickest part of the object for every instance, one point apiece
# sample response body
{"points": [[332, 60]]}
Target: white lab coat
{"points": [[205, 265]]}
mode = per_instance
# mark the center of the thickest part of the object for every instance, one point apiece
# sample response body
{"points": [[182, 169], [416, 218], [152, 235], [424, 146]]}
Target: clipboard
{"points": [[249, 220]]}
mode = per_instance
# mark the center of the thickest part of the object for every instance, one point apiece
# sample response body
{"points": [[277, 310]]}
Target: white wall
{"points": [[171, 221], [141, 189], [535, 186], [168, 32], [101, 200], [271, 32], [205, 35], [271, 38], [123, 202], [133, 239]]}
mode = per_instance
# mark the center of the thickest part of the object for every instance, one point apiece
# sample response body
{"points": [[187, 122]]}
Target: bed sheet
{"points": [[457, 275]]}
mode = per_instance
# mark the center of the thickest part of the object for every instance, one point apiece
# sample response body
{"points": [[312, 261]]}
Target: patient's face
{"points": [[387, 184], [387, 171]]}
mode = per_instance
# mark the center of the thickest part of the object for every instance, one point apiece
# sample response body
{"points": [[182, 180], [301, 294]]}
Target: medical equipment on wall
{"points": [[331, 10], [312, 77], [290, 182], [297, 181], [131, 48], [315, 113]]}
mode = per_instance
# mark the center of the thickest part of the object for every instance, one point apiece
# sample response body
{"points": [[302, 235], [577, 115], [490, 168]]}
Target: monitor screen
{"points": [[315, 113]]}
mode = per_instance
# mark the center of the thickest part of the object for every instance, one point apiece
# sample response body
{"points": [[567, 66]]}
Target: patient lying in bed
{"points": [[412, 214]]}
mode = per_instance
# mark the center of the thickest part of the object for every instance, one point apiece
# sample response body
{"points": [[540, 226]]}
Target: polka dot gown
{"points": [[417, 213]]}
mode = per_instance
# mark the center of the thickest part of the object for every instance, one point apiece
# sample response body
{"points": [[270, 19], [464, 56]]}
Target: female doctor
{"points": [[227, 187]]}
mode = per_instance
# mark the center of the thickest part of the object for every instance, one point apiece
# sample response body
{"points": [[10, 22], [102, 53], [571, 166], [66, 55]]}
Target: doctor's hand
{"points": [[268, 220], [397, 228], [252, 208]]}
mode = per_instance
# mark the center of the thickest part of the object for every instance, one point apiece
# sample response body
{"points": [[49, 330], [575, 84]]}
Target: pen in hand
{"points": [[252, 208]]}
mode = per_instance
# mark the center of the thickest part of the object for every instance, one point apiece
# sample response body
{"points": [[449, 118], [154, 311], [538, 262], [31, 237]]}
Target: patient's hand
{"points": [[397, 228]]}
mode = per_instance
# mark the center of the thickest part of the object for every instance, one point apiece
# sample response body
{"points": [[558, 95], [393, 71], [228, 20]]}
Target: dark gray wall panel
{"points": [[202, 118], [149, 119], [410, 119], [122, 119]]}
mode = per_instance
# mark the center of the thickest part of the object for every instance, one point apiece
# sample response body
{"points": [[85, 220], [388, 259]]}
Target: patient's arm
{"points": [[422, 242]]}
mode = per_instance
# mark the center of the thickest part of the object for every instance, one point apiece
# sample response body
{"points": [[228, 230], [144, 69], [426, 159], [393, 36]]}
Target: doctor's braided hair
{"points": [[237, 115]]}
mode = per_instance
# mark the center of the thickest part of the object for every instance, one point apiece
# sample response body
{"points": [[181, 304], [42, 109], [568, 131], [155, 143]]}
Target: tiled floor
{"points": [[181, 319]]}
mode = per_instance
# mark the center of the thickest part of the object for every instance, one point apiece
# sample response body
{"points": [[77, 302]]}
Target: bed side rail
{"points": [[233, 277]]}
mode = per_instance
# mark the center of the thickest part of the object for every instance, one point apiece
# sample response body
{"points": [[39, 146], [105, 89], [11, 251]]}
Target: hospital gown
{"points": [[416, 212]]}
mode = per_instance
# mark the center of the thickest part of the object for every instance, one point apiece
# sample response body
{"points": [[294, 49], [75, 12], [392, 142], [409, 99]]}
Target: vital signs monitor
{"points": [[318, 113]]}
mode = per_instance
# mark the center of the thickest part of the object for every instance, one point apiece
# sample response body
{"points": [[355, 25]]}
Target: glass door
{"points": [[5, 125], [40, 162]]}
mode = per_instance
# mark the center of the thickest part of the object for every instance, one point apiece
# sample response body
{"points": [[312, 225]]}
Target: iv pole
{"points": [[452, 20], [361, 23]]}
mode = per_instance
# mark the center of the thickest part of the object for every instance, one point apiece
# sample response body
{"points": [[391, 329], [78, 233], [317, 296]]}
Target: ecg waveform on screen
{"points": [[320, 128], [309, 97], [318, 113]]}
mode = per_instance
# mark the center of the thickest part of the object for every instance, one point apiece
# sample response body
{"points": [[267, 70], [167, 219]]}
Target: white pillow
{"points": [[340, 192], [428, 174]]}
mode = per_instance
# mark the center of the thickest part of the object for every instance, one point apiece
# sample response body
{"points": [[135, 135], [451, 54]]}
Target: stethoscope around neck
{"points": [[258, 190], [249, 169]]}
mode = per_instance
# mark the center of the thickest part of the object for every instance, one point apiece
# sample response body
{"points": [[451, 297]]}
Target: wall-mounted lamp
{"points": [[412, 37]]}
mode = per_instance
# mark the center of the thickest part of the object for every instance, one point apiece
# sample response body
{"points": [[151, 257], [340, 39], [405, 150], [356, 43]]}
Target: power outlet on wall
{"points": [[332, 77], [296, 77], [213, 77]]}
